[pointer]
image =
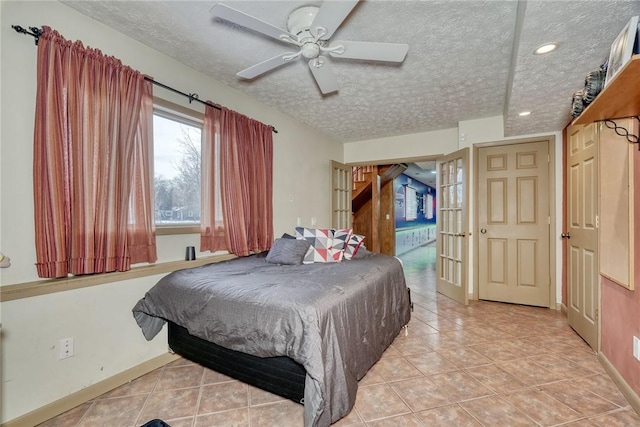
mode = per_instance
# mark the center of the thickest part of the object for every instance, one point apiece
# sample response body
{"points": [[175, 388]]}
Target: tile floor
{"points": [[488, 364]]}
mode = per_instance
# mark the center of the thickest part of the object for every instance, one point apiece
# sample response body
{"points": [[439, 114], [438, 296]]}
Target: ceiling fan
{"points": [[310, 28]]}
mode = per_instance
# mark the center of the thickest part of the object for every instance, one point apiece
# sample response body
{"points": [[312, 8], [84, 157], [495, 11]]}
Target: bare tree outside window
{"points": [[177, 148]]}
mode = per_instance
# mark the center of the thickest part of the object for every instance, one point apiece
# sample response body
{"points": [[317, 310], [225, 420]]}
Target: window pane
{"points": [[176, 149]]}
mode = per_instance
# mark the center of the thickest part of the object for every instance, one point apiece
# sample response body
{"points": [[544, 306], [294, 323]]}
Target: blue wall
{"points": [[420, 230], [422, 214]]}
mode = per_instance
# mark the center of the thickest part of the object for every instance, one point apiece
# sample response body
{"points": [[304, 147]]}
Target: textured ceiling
{"points": [[466, 60]]}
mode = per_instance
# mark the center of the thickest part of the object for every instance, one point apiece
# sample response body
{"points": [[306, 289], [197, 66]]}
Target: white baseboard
{"points": [[563, 308], [60, 406], [624, 387]]}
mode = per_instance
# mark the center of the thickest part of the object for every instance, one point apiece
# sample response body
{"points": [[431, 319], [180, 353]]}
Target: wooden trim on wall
{"points": [[60, 406], [564, 224], [387, 220], [563, 309], [172, 230], [625, 388], [44, 287]]}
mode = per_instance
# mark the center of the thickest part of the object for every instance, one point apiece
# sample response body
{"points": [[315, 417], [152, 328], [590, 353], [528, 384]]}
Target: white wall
{"points": [[402, 147], [480, 130], [106, 337]]}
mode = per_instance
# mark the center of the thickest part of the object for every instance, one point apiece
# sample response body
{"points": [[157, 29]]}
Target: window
{"points": [[176, 177]]}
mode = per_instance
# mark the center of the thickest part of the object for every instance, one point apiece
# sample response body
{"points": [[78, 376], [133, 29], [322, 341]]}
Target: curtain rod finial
{"points": [[35, 32]]}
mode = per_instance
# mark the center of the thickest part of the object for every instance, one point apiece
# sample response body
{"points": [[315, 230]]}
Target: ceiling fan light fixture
{"points": [[310, 50], [545, 48], [300, 20]]}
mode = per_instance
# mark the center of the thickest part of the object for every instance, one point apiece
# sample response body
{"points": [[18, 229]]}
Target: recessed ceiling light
{"points": [[524, 113], [545, 48]]}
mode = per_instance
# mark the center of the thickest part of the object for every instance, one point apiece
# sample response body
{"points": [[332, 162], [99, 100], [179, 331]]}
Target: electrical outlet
{"points": [[66, 348], [313, 221], [636, 348], [299, 221]]}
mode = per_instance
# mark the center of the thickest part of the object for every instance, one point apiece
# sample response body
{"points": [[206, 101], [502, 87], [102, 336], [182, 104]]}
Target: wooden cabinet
{"points": [[618, 101]]}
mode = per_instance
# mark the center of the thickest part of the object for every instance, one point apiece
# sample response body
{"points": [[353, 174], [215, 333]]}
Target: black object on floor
{"points": [[155, 423]]}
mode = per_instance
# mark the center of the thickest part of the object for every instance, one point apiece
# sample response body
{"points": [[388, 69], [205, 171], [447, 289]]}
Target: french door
{"points": [[453, 219], [341, 185]]}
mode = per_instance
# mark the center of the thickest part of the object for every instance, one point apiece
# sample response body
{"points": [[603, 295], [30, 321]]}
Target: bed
{"points": [[306, 332]]}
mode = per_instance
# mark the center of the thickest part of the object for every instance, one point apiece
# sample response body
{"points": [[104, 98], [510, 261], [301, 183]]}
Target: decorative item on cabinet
{"points": [[620, 98], [622, 131], [622, 49], [577, 103], [593, 84]]}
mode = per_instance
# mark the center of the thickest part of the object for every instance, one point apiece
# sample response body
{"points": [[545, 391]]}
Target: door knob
{"points": [[460, 234], [483, 230], [565, 235]]}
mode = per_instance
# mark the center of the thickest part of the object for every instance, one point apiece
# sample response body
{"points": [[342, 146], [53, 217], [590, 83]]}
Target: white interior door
{"points": [[453, 218], [514, 222], [582, 232]]}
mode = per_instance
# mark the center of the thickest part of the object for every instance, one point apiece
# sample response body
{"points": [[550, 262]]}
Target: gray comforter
{"points": [[335, 319]]}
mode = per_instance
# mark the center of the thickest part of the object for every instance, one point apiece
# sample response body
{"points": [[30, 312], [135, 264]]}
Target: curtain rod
{"points": [[192, 97], [37, 32]]}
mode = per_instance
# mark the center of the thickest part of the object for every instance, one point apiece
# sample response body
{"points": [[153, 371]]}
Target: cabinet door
{"points": [[616, 232]]}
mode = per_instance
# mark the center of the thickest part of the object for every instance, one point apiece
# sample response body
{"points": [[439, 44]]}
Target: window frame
{"points": [[188, 116]]}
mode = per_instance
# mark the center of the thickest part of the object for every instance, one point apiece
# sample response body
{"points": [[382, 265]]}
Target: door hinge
{"points": [[549, 220], [597, 221], [596, 314]]}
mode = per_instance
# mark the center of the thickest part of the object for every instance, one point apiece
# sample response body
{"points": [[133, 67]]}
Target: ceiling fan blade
{"points": [[331, 15], [234, 16], [325, 78], [265, 66], [371, 51]]}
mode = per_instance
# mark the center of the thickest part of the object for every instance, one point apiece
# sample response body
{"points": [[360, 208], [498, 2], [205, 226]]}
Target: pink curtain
{"points": [[142, 227], [246, 163], [91, 149], [212, 234], [237, 183]]}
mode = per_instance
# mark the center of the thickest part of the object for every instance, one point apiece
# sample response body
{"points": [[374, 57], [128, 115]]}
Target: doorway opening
{"points": [[415, 207]]}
